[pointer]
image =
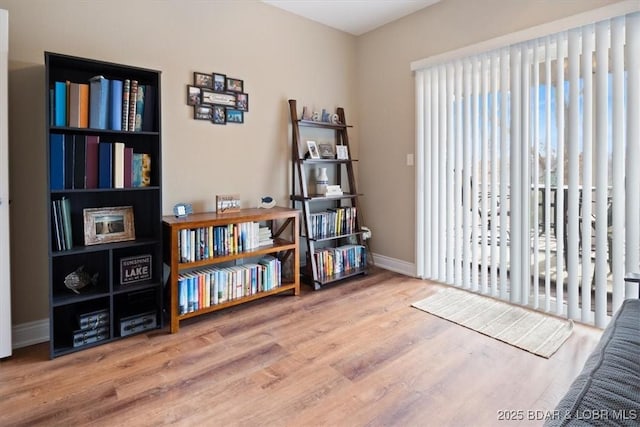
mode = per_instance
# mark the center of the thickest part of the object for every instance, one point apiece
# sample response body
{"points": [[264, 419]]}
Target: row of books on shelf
{"points": [[208, 242], [61, 219], [83, 161], [100, 103], [342, 259], [208, 287], [333, 222]]}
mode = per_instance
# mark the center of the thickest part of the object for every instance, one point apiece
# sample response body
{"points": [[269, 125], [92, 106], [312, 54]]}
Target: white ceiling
{"points": [[352, 16]]}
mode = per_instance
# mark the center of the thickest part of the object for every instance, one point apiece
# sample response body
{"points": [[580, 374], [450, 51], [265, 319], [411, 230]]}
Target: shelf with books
{"points": [[322, 237], [217, 260], [104, 191]]}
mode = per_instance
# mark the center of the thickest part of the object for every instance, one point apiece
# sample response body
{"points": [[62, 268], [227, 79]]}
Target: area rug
{"points": [[529, 330]]}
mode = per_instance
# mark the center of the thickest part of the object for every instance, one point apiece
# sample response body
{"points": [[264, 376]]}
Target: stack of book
{"points": [[264, 236], [101, 103], [333, 222], [85, 162], [61, 213]]}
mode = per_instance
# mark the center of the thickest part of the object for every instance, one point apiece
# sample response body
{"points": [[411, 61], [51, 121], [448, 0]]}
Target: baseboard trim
{"points": [[30, 333], [393, 264]]}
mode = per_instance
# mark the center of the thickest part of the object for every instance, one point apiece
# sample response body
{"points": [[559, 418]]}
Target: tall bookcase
{"points": [[331, 226], [119, 301]]}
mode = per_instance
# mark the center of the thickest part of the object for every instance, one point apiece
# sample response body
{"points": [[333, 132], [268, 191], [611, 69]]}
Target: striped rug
{"points": [[535, 332]]}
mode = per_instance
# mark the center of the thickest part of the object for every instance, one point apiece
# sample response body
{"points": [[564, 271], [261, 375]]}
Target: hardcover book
{"points": [[99, 94], [139, 108], [78, 105], [115, 116], [105, 159], [56, 161], [118, 165], [125, 104], [133, 96], [60, 109], [79, 162], [91, 168]]}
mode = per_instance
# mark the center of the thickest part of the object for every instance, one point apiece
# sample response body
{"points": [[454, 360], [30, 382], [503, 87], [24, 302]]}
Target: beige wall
{"points": [[277, 54], [385, 102]]}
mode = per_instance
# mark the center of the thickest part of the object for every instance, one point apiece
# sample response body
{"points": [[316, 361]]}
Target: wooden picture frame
{"points": [[227, 203], [313, 150], [234, 116], [203, 112], [234, 85], [219, 82], [107, 225], [219, 116], [202, 80], [326, 151], [193, 95], [242, 101]]}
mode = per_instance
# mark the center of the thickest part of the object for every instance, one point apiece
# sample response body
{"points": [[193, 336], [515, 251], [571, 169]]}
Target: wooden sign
{"points": [[135, 269]]}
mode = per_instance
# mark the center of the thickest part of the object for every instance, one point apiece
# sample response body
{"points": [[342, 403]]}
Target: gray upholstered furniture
{"points": [[607, 390]]}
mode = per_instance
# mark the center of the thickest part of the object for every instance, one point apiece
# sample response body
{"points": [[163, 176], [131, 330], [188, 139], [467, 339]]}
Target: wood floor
{"points": [[353, 354]]}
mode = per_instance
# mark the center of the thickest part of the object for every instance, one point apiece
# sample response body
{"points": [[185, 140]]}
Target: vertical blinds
{"points": [[527, 168]]}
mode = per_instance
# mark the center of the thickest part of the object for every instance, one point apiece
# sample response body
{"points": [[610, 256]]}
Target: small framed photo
{"points": [[106, 225], [219, 115], [202, 112], [242, 101], [313, 150], [219, 82], [226, 203], [342, 153], [326, 150], [203, 80], [234, 116], [193, 95], [234, 85]]}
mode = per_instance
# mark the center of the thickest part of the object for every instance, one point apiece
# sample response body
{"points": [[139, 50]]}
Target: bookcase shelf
{"points": [[108, 293], [284, 249], [344, 252]]}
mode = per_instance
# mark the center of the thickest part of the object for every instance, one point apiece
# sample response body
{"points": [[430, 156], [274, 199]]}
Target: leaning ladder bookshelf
{"points": [[331, 225]]}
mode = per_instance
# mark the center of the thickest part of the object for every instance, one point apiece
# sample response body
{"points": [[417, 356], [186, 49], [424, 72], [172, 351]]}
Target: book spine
{"points": [[56, 161], [74, 104], [66, 221], [139, 108], [148, 117], [105, 170], [115, 122], [126, 87], [99, 98], [60, 110], [133, 96], [79, 161], [83, 121], [91, 165], [146, 170], [118, 165], [69, 159], [128, 164]]}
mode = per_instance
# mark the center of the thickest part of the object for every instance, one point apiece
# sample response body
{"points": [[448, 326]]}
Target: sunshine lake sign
{"points": [[135, 269]]}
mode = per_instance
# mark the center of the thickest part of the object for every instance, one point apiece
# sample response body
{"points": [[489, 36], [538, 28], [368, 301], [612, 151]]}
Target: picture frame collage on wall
{"points": [[217, 98]]}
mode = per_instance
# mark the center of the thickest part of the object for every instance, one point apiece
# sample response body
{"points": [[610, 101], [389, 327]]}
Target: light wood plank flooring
{"points": [[353, 354]]}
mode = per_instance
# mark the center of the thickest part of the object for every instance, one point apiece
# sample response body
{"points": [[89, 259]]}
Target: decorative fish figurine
{"points": [[78, 279]]}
